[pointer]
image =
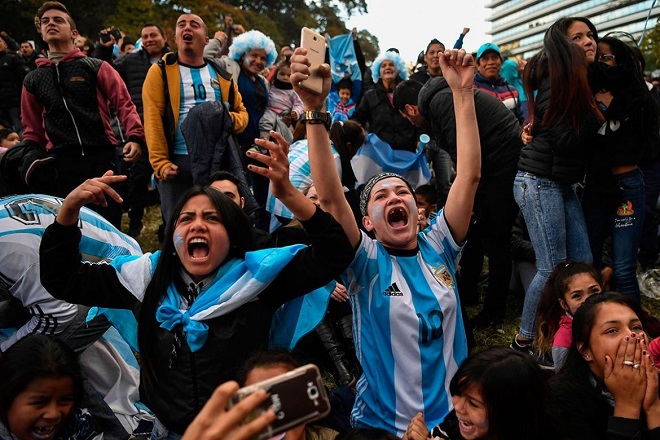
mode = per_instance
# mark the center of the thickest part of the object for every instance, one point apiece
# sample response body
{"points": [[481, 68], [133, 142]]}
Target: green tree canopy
{"points": [[279, 19]]}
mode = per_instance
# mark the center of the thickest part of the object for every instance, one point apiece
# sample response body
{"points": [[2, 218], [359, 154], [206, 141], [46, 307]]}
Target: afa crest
{"points": [[443, 275]]}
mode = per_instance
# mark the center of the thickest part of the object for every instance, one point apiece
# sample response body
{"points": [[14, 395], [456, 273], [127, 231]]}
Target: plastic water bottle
{"points": [[423, 140]]}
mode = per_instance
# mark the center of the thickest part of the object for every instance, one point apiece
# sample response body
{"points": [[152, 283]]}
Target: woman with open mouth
{"points": [[408, 330], [204, 303]]}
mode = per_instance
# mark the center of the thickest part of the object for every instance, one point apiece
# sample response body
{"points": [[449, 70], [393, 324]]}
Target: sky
{"points": [[409, 25]]}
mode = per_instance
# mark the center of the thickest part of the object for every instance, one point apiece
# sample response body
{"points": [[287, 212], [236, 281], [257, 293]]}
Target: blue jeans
{"points": [[557, 231], [648, 245], [621, 216]]}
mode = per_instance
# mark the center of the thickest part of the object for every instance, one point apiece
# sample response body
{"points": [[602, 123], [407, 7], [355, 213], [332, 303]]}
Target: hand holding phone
{"points": [[315, 45], [215, 422], [297, 397]]}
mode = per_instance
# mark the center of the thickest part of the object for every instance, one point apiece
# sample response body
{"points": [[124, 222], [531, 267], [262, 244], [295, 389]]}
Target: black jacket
{"points": [[422, 75], [498, 127], [212, 147], [187, 380], [630, 131], [13, 70], [384, 120], [556, 153], [133, 68], [583, 413]]}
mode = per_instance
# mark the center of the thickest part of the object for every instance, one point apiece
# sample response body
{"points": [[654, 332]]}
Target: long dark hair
{"points": [[514, 390], [564, 64], [169, 266], [347, 137], [626, 82], [35, 357], [550, 311], [576, 371]]}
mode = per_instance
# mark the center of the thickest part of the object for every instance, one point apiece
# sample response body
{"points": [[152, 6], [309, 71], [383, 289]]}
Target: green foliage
{"points": [[279, 19], [651, 48], [369, 45]]}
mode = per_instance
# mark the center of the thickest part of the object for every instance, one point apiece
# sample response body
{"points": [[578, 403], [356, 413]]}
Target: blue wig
{"points": [[400, 66], [253, 40]]}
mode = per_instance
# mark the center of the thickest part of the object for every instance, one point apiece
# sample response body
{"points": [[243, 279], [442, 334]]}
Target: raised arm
{"points": [[458, 69], [90, 191], [277, 172], [321, 161]]}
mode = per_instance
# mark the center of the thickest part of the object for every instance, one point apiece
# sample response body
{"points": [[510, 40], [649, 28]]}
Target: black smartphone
{"points": [[297, 397], [104, 37], [116, 33]]}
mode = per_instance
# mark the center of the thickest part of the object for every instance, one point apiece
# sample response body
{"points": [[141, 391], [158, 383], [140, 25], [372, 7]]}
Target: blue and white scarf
{"points": [[236, 283]]}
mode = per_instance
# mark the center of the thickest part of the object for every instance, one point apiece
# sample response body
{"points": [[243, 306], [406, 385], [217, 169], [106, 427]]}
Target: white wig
{"points": [[400, 66], [252, 40]]}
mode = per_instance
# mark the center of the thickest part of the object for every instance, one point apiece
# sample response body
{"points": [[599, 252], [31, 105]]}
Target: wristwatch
{"points": [[315, 117]]}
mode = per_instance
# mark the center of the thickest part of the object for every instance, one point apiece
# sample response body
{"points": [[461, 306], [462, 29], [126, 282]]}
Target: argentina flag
{"points": [[376, 156], [343, 64]]}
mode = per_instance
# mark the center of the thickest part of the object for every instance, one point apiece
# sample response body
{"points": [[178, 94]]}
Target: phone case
{"points": [[297, 397], [315, 45]]}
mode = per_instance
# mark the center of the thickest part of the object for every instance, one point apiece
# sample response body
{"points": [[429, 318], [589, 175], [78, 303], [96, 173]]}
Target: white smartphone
{"points": [[315, 45], [297, 396]]}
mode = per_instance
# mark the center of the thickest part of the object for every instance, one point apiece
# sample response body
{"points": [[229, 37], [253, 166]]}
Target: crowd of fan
{"points": [[274, 243]]}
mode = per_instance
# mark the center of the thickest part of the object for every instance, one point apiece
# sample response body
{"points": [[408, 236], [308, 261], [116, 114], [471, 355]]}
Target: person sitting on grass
{"points": [[402, 283], [568, 287], [205, 301]]}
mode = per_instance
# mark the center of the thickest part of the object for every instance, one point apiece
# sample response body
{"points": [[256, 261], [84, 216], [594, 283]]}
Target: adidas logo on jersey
{"points": [[393, 290]]}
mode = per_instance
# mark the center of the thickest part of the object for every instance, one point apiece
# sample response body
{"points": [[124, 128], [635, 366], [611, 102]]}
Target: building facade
{"points": [[518, 26]]}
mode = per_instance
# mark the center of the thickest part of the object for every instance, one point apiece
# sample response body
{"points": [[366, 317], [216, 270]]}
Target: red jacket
{"points": [[65, 106]]}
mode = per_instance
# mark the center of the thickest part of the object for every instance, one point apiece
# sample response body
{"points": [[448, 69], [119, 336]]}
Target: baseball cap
{"points": [[488, 46]]}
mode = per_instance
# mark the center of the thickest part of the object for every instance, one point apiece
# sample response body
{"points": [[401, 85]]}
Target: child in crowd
{"points": [[8, 138], [283, 100], [269, 364], [40, 389], [346, 106], [568, 286], [427, 197], [498, 394]]}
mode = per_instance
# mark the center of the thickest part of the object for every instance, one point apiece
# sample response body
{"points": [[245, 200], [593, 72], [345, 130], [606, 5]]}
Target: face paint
{"points": [[377, 213], [247, 60], [387, 184], [412, 205], [178, 240]]}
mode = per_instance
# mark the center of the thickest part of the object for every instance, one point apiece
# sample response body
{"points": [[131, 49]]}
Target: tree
{"points": [[651, 48], [279, 19]]}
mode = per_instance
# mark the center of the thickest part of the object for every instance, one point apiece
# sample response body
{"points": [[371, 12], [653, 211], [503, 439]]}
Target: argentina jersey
{"points": [[409, 333], [196, 85], [23, 220], [300, 175]]}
